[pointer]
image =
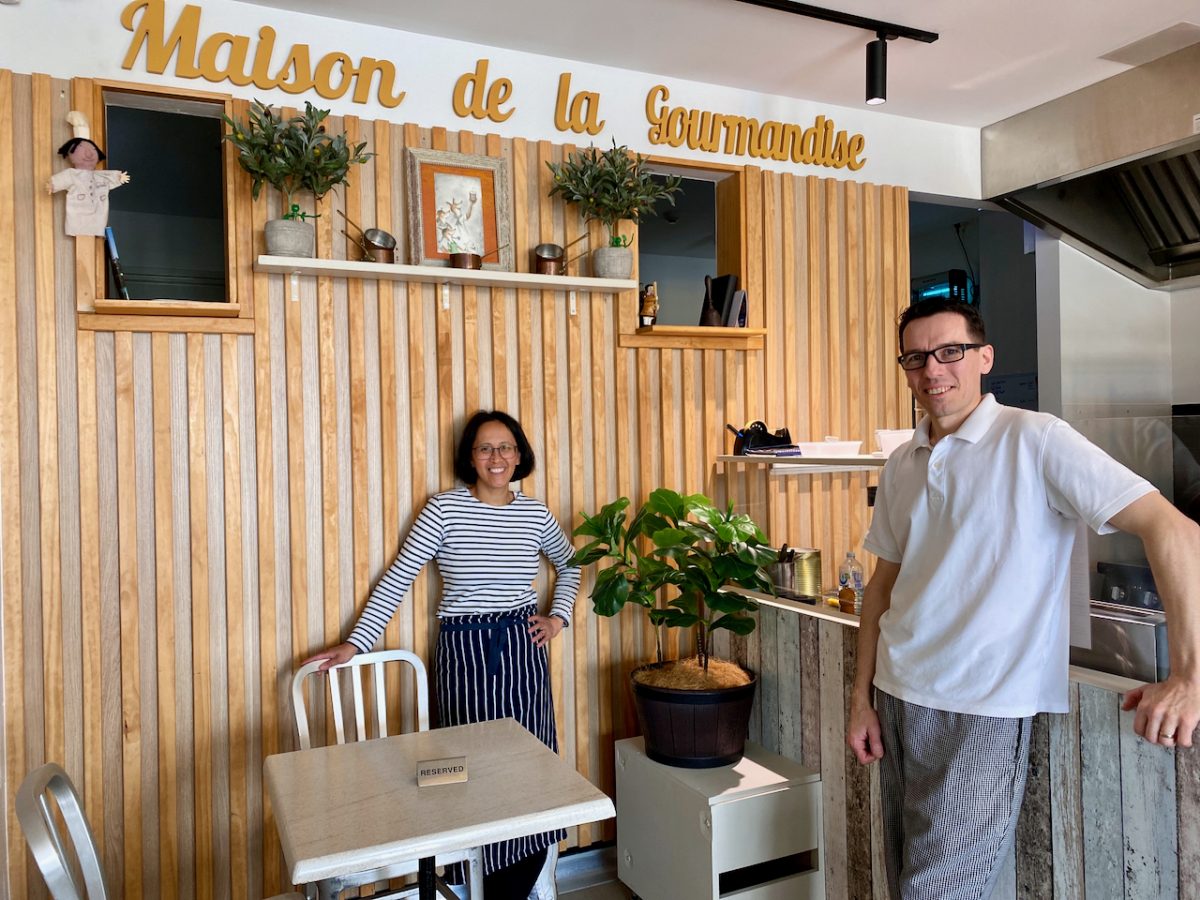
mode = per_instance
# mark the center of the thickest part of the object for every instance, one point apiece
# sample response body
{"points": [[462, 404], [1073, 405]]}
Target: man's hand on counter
{"points": [[1167, 712], [862, 733]]}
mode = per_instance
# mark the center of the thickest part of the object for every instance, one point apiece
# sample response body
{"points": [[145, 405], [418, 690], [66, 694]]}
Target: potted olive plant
{"points": [[611, 186], [693, 712], [292, 155]]}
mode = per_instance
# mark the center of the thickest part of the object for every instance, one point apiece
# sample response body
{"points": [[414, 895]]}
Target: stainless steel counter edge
{"points": [[1091, 677]]}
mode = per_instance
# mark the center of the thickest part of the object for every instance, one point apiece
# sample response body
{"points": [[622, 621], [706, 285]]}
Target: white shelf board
{"points": [[808, 465], [340, 268]]}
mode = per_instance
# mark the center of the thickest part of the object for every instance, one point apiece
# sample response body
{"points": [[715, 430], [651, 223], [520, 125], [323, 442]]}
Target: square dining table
{"points": [[350, 808]]}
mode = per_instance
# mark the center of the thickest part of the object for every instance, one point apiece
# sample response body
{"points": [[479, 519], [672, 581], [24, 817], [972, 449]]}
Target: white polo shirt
{"points": [[982, 526]]}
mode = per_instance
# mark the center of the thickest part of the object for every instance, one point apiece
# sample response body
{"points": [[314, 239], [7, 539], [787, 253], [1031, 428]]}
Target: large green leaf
{"points": [[671, 537], [729, 602], [667, 503], [610, 592], [592, 552], [673, 618], [738, 624]]}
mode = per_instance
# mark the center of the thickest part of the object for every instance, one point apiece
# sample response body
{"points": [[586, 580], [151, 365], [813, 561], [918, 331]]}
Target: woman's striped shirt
{"points": [[487, 555]]}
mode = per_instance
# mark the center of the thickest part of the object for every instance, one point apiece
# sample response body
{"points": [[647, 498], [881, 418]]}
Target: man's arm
{"points": [[862, 731], [1168, 712]]}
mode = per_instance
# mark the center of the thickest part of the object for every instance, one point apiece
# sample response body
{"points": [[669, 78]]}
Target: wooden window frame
{"points": [[731, 257], [186, 314]]}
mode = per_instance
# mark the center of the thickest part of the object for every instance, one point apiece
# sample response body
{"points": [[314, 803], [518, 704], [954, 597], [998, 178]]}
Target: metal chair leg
{"points": [[475, 873]]}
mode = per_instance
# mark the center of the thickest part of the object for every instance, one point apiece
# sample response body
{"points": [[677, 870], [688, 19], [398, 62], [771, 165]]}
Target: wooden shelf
{"points": [[339, 268], [205, 308], [695, 337], [808, 465]]}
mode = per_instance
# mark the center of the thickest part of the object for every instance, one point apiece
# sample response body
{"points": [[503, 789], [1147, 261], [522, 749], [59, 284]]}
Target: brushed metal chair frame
{"points": [[372, 665], [42, 834]]}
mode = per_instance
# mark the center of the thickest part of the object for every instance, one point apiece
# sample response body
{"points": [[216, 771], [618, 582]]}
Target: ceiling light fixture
{"points": [[876, 49], [877, 71]]}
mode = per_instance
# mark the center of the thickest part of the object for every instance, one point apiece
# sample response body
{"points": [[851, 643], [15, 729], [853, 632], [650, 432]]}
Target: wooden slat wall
{"points": [[187, 512], [1105, 814]]}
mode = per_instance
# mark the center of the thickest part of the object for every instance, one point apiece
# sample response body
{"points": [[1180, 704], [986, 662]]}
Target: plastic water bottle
{"points": [[850, 574]]}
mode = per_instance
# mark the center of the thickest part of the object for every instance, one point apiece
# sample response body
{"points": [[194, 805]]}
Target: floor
{"points": [[590, 875], [613, 890]]}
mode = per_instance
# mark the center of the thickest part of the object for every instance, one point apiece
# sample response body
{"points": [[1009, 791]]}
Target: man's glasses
{"points": [[506, 451], [947, 353]]}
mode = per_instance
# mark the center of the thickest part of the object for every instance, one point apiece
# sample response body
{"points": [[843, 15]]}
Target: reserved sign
{"points": [[452, 770]]}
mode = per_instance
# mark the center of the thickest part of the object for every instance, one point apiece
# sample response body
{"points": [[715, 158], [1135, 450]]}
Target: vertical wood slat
{"points": [[11, 545], [164, 616], [47, 419]]}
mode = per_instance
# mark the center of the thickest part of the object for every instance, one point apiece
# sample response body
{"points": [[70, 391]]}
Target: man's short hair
{"points": [[923, 309], [464, 454]]}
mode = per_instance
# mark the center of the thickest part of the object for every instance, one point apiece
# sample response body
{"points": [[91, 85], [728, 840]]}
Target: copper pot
{"points": [[470, 260], [375, 244], [551, 259], [465, 261]]}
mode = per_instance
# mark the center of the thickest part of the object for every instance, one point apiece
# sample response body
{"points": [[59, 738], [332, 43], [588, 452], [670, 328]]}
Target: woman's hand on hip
{"points": [[334, 656], [544, 629]]}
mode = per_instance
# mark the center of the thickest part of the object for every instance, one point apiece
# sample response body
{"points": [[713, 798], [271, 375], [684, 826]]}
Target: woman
{"points": [[491, 648]]}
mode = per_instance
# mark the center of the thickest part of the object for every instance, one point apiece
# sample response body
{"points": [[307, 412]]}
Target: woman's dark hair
{"points": [[68, 148], [925, 308], [464, 455]]}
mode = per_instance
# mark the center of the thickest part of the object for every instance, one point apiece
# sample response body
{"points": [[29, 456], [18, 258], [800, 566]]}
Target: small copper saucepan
{"points": [[375, 244], [551, 259], [471, 260]]}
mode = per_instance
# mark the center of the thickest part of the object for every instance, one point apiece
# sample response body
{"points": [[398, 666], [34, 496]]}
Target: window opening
{"points": [[168, 223]]}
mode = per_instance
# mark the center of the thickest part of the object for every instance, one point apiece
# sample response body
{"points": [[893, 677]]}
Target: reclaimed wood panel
{"points": [[1101, 815]]}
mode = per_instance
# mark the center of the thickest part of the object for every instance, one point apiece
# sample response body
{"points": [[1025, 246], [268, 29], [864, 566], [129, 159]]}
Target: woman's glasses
{"points": [[946, 354], [506, 451]]}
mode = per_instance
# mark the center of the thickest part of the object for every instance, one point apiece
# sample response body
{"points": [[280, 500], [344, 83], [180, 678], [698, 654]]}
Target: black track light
{"points": [[877, 71]]}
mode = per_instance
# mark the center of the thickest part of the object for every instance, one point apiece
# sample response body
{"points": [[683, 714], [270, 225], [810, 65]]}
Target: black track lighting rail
{"points": [[884, 30]]}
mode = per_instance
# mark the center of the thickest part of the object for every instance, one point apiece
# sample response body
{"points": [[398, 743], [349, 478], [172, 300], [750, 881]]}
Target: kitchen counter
{"points": [[1079, 675]]}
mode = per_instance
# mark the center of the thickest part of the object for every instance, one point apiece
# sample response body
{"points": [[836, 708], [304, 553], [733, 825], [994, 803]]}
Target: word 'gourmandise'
{"points": [[226, 57], [818, 145]]}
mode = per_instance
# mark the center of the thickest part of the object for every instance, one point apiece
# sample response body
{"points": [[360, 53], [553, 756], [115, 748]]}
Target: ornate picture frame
{"points": [[457, 200]]}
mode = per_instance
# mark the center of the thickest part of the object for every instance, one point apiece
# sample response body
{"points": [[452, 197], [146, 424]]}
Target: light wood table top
{"points": [[353, 807]]}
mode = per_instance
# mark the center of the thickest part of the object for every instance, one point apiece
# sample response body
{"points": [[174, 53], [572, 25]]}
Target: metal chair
{"points": [[41, 833], [357, 669]]}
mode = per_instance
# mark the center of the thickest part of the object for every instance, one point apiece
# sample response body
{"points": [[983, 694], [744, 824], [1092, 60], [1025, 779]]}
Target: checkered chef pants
{"points": [[952, 786]]}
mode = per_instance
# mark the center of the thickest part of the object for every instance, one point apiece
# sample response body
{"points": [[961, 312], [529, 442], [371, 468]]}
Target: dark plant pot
{"points": [[694, 729]]}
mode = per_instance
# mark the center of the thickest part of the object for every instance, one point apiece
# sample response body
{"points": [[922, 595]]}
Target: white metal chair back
{"points": [[371, 665], [375, 661], [40, 826]]}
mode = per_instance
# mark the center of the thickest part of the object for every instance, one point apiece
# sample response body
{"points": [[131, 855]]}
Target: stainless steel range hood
{"points": [[1113, 169]]}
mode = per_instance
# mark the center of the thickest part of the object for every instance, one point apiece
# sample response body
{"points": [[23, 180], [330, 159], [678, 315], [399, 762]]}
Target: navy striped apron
{"points": [[488, 667]]}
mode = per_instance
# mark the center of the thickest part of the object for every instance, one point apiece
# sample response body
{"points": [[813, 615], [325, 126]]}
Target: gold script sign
{"points": [[243, 60], [821, 144], [332, 76]]}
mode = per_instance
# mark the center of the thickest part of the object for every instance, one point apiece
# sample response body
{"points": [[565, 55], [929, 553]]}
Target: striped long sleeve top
{"points": [[487, 555]]}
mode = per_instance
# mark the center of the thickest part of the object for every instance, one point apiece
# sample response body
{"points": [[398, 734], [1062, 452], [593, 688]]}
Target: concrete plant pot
{"points": [[612, 262], [289, 237]]}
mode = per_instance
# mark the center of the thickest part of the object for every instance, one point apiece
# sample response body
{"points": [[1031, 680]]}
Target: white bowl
{"points": [[891, 438], [830, 448]]}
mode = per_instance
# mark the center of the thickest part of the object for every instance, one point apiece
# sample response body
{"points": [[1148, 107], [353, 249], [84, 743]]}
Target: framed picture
{"points": [[458, 203]]}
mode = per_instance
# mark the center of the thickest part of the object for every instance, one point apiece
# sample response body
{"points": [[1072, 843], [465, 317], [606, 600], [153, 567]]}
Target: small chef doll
{"points": [[87, 187]]}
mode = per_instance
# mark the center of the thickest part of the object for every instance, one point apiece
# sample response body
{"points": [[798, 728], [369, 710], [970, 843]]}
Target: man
{"points": [[965, 620]]}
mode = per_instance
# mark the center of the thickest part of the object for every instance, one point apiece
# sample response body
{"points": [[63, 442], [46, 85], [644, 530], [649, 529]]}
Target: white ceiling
{"points": [[994, 57]]}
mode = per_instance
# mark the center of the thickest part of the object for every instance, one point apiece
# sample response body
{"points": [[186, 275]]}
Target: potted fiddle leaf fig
{"points": [[611, 186], [292, 156], [694, 550]]}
